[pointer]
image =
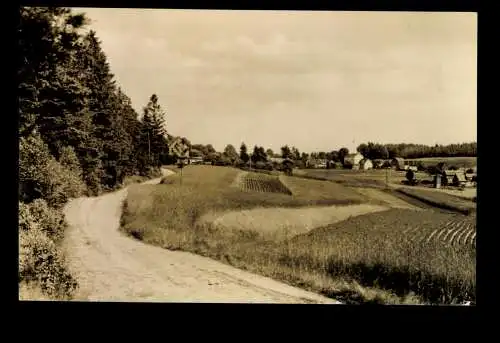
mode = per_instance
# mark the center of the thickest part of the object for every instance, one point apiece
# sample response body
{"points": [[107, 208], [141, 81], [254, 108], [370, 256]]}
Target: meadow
{"points": [[389, 256], [356, 178], [459, 162]]}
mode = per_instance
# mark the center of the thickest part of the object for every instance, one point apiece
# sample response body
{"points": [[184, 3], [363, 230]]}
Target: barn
{"points": [[398, 163], [365, 164], [353, 160]]}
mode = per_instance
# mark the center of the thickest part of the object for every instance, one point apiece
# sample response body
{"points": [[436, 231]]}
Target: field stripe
{"points": [[452, 229], [440, 233], [467, 237], [432, 234], [473, 240], [463, 230], [459, 228]]}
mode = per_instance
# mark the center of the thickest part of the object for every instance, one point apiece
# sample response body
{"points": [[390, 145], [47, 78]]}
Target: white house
{"points": [[365, 164], [353, 160]]}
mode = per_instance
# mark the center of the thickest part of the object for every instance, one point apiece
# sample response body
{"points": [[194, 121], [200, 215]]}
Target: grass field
{"points": [[466, 162], [440, 199], [395, 256], [356, 178]]}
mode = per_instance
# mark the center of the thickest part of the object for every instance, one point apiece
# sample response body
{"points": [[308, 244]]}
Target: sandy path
{"points": [[113, 267]]}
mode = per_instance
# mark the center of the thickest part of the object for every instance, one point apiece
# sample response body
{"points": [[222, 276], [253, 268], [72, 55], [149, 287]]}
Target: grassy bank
{"points": [[356, 264]]}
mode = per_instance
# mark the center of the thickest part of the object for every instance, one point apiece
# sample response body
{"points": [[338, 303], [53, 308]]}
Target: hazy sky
{"points": [[316, 80]]}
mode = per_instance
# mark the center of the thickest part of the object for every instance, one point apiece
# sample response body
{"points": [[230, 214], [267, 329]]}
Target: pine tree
{"points": [[153, 132]]}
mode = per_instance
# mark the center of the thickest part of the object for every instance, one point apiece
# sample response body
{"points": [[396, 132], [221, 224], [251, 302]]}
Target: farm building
{"points": [[365, 164], [195, 160], [459, 180], [353, 160], [316, 163], [334, 165], [470, 176], [398, 163]]}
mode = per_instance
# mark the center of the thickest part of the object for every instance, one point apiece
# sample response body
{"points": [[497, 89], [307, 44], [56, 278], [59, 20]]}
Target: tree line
{"points": [[78, 135], [369, 150], [68, 99]]}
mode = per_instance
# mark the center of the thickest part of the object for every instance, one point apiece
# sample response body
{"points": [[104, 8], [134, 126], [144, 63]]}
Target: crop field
{"points": [[257, 182], [426, 252], [387, 256], [457, 231]]}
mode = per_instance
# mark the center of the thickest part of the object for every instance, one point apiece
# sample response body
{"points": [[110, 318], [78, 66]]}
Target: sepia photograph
{"points": [[247, 156]]}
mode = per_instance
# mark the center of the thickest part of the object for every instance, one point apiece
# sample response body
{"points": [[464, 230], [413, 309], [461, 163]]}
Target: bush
{"points": [[41, 176], [49, 220], [41, 263], [39, 260]]}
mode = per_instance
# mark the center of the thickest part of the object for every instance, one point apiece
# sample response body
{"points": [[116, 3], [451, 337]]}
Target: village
{"points": [[417, 173]]}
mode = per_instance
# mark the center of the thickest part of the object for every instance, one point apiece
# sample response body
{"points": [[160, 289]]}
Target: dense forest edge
{"points": [[78, 136]]}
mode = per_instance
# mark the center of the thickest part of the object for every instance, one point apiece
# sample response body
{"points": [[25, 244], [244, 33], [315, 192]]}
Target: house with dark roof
{"points": [[398, 163]]}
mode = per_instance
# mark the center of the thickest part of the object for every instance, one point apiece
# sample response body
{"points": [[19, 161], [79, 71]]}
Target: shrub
{"points": [[39, 260], [41, 176], [49, 220]]}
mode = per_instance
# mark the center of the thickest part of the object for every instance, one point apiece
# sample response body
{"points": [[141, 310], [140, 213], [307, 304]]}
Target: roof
{"points": [[364, 160], [399, 159], [460, 177]]}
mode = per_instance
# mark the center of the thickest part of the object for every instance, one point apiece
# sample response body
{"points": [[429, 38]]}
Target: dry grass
{"points": [[281, 223], [363, 259]]}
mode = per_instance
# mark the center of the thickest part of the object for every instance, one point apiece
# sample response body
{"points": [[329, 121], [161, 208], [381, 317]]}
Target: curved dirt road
{"points": [[110, 266]]}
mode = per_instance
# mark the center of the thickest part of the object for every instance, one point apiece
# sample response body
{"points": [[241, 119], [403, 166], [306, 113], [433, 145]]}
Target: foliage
{"points": [[343, 152], [40, 261], [244, 153], [41, 176], [286, 152]]}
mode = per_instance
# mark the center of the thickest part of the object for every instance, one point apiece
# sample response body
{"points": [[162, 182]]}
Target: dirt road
{"points": [[110, 266]]}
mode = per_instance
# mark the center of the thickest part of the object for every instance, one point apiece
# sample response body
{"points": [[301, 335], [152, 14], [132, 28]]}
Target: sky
{"points": [[315, 80]]}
